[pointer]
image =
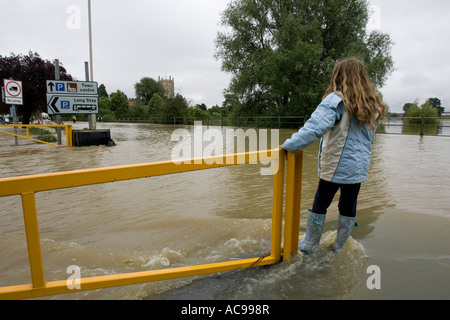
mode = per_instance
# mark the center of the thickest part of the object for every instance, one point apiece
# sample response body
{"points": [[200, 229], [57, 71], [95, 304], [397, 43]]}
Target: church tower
{"points": [[169, 86]]}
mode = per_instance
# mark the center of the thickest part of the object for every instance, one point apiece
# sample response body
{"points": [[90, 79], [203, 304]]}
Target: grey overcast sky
{"points": [[146, 38]]}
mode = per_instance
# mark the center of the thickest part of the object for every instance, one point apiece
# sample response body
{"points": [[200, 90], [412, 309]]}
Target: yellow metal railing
{"points": [[28, 186], [68, 128]]}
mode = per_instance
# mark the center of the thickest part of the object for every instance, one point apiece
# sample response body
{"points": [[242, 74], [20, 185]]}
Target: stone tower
{"points": [[169, 86]]}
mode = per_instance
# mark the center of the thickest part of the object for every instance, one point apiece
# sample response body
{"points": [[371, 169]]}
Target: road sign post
{"points": [[14, 96]]}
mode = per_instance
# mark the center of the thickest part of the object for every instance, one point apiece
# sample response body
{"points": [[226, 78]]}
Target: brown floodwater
{"points": [[222, 214]]}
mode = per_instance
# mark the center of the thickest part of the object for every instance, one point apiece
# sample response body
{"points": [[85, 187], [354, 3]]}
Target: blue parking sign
{"points": [[65, 104], [60, 86]]}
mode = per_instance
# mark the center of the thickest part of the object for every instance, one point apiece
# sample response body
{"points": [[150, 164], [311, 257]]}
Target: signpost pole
{"points": [[91, 117], [13, 95], [15, 121], [58, 116]]}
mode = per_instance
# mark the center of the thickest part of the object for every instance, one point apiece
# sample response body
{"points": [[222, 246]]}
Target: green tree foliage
{"points": [[436, 103], [201, 106], [102, 93], [427, 110], [33, 71], [176, 107], [407, 106], [119, 104], [197, 113], [104, 108], [156, 106], [281, 53], [146, 88], [137, 111]]}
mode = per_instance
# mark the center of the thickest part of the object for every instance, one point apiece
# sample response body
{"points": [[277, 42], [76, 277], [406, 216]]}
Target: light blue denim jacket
{"points": [[345, 148]]}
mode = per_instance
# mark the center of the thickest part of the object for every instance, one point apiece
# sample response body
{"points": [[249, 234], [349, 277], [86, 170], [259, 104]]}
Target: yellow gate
{"points": [[28, 186]]}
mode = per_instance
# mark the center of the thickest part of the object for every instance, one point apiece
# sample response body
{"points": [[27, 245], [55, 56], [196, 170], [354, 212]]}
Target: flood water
{"points": [[223, 214]]}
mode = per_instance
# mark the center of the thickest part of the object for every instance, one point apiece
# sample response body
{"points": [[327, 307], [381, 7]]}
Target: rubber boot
{"points": [[345, 227], [314, 229]]}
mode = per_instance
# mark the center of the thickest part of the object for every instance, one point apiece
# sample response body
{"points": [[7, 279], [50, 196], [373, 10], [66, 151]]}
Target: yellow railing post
{"points": [[292, 208], [33, 239], [277, 206], [69, 141], [297, 200]]}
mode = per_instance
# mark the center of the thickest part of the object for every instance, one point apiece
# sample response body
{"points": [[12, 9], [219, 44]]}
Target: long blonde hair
{"points": [[351, 82]]}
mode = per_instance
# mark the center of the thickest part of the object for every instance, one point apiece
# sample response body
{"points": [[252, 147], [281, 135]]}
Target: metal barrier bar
{"points": [[293, 198], [101, 282], [70, 179], [277, 206], [68, 127], [27, 186], [33, 239]]}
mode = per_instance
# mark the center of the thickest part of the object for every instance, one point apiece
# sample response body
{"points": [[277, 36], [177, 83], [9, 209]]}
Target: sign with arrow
{"points": [[72, 97], [72, 87], [66, 104]]}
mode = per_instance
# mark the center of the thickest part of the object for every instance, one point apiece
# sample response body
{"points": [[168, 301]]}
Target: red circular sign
{"points": [[14, 90]]}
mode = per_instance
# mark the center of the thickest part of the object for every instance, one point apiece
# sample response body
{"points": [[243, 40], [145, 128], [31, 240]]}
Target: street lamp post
{"points": [[92, 120]]}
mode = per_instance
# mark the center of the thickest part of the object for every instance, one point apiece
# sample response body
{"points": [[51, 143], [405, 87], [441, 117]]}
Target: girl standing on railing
{"points": [[345, 121]]}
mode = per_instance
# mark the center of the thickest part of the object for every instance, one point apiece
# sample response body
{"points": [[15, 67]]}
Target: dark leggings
{"points": [[347, 201]]}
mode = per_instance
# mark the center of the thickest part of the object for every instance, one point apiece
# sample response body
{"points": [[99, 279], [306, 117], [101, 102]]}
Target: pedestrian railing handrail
{"points": [[68, 128], [28, 186]]}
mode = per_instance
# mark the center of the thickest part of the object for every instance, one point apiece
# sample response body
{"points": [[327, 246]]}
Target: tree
{"points": [[104, 108], [137, 111], [119, 104], [412, 110], [156, 106], [176, 107], [407, 106], [146, 88], [217, 112], [231, 101], [197, 113], [436, 103], [33, 71], [201, 106], [102, 91], [281, 53], [427, 110]]}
